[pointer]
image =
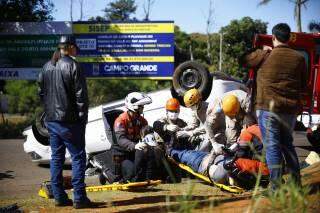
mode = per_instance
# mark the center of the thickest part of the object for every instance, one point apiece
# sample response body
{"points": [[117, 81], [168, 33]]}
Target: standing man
{"points": [[63, 91], [281, 79]]}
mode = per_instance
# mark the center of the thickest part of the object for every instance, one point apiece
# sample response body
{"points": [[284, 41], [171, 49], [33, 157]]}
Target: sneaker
{"points": [[67, 202], [86, 203]]}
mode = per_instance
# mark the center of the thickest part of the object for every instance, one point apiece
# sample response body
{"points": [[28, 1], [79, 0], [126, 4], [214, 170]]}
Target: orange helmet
{"points": [[172, 105]]}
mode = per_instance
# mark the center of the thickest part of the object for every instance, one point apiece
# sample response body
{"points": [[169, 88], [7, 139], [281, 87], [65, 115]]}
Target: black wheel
{"points": [[40, 132], [190, 75]]}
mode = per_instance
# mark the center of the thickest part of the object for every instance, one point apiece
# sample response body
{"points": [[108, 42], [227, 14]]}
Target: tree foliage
{"points": [[237, 39], [22, 95], [22, 10], [314, 26], [120, 10]]}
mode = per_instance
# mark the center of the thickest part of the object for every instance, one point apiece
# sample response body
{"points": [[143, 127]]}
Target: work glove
{"points": [[172, 127], [217, 148], [184, 134], [140, 146]]}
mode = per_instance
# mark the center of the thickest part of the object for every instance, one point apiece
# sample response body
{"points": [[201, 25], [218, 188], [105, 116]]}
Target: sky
{"points": [[191, 15]]}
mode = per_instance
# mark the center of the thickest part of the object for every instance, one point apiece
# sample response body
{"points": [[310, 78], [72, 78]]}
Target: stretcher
{"points": [[46, 190], [126, 186], [232, 189]]}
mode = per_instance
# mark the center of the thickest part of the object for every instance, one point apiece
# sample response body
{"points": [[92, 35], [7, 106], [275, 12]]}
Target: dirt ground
{"points": [[20, 181]]}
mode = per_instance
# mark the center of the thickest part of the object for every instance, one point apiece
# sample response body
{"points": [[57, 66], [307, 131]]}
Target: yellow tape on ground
{"points": [[123, 28], [125, 59], [233, 189], [127, 186]]}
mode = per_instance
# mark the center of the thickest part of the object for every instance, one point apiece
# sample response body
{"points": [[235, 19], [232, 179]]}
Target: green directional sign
{"points": [[27, 52], [26, 46]]}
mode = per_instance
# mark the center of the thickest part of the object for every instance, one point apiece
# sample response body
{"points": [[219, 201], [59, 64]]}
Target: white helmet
{"points": [[150, 140], [136, 99]]}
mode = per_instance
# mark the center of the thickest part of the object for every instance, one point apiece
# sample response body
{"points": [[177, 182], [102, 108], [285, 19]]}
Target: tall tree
{"points": [[297, 10], [147, 6], [22, 10], [120, 10]]}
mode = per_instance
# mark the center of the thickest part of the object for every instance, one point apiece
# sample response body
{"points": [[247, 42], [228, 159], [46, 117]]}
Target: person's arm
{"points": [[81, 92], [255, 59], [159, 127], [40, 86], [122, 139], [194, 123]]}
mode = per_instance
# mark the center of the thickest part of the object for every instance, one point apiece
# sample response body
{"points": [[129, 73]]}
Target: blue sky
{"points": [[190, 15]]}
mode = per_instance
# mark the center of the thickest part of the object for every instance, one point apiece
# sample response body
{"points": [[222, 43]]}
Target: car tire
{"points": [[40, 132], [188, 75]]}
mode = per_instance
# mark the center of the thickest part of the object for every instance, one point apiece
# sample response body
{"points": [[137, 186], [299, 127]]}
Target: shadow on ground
{"points": [[197, 201]]}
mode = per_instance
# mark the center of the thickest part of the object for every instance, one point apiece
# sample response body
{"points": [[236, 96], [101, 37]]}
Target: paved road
{"points": [[19, 177]]}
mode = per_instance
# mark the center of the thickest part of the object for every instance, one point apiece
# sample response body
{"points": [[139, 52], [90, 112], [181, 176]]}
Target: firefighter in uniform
{"points": [[128, 149]]}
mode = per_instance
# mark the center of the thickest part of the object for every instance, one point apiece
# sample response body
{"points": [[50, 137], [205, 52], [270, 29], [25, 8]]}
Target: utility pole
{"points": [[220, 54]]}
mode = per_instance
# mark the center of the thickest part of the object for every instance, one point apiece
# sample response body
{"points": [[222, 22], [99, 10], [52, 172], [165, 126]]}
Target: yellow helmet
{"points": [[191, 97], [230, 105]]}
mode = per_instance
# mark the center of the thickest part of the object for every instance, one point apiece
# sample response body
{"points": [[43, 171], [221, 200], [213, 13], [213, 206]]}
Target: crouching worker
{"points": [[169, 126], [196, 128], [129, 153], [225, 118], [235, 163]]}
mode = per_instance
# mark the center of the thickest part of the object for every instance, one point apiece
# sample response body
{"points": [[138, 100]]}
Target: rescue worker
{"points": [[225, 118], [168, 126], [128, 150], [196, 128]]}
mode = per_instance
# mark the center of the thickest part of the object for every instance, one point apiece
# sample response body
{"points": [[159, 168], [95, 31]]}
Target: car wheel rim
{"points": [[190, 79]]}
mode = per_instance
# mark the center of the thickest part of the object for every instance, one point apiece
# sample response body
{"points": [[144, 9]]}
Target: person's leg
{"points": [[204, 146], [292, 162], [189, 157], [128, 170], [58, 151], [270, 130], [140, 164], [74, 139]]}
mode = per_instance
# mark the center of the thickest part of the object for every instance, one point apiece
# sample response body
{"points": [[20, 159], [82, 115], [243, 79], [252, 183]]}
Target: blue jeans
{"points": [[191, 158], [72, 137], [276, 130]]}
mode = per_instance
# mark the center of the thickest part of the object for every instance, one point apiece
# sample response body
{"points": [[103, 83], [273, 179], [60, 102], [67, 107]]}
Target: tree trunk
{"points": [[71, 4]]}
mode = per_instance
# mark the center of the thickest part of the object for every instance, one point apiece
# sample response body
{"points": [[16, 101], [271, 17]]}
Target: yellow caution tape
{"points": [[233, 189], [118, 186]]}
